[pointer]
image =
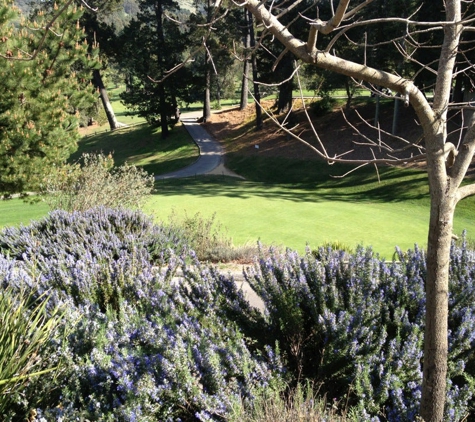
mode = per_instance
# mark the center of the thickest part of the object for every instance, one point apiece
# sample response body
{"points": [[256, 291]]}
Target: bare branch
{"points": [[89, 7], [339, 15]]}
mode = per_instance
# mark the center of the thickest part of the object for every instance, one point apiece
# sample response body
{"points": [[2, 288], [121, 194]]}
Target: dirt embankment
{"points": [[332, 130]]}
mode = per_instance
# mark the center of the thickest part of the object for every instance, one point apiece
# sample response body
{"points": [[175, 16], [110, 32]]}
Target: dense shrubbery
{"points": [[145, 345], [142, 348], [354, 325]]}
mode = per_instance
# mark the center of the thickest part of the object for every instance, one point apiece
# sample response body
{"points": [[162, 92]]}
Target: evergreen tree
{"points": [[42, 89], [151, 46]]}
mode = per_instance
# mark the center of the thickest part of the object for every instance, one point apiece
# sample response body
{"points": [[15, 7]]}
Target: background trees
{"points": [[151, 46], [44, 83]]}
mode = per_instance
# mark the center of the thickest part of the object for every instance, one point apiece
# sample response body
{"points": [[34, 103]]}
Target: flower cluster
{"points": [[354, 324], [141, 345]]}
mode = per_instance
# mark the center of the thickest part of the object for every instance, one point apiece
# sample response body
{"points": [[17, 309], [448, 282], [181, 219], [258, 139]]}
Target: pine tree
{"points": [[151, 46], [44, 83]]}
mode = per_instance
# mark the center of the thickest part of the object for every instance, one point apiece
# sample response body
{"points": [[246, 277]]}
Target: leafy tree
{"points": [[152, 45], [446, 162], [43, 87], [213, 39]]}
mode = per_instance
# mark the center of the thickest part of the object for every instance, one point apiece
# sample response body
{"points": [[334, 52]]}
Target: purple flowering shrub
{"points": [[152, 337], [142, 345], [92, 256], [353, 324]]}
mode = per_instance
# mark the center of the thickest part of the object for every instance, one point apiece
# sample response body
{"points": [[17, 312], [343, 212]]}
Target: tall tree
{"points": [[446, 162], [246, 62], [105, 35], [152, 45], [44, 83], [257, 91]]}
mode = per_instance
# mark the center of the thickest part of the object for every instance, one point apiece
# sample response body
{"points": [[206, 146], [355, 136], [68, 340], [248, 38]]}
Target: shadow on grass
{"points": [[143, 146], [396, 186]]}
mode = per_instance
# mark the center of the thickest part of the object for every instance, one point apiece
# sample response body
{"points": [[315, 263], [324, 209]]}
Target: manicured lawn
{"points": [[143, 146], [296, 215], [281, 202], [14, 212]]}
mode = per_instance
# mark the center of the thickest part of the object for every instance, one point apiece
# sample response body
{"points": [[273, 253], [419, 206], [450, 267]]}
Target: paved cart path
{"points": [[211, 158]]}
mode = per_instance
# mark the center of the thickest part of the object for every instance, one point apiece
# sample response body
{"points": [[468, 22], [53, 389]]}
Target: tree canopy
{"points": [[44, 83]]}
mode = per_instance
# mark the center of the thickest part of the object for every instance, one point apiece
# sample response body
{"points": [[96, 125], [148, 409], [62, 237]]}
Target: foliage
{"points": [[301, 404], [323, 106], [90, 256], [335, 245], [147, 347], [96, 183], [152, 45], [354, 325], [205, 237], [42, 89], [160, 339], [29, 336]]}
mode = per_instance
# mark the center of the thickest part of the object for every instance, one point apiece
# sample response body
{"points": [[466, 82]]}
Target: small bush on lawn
{"points": [[94, 182], [205, 236], [323, 106], [354, 325], [146, 347]]}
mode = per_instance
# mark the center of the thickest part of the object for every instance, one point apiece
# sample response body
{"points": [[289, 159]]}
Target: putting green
{"points": [[294, 223]]}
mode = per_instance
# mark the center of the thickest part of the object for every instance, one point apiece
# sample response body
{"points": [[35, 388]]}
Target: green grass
{"points": [[282, 202], [143, 146], [15, 212], [393, 213]]}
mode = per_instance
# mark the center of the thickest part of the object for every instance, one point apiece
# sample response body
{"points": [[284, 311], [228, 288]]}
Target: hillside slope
{"points": [[235, 129]]}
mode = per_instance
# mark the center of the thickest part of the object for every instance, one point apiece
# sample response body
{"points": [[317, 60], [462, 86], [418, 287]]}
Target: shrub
{"points": [[96, 182], [92, 256], [354, 325], [324, 105], [148, 347], [205, 236], [300, 404]]}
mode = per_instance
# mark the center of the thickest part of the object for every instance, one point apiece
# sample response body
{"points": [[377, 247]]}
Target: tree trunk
{"points": [[113, 123], [207, 93], [244, 86], [245, 72], [284, 101], [349, 94], [443, 194], [163, 111], [257, 93], [161, 89]]}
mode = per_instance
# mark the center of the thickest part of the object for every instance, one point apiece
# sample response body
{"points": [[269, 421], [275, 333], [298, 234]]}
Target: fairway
{"points": [[282, 216], [293, 218], [15, 212]]}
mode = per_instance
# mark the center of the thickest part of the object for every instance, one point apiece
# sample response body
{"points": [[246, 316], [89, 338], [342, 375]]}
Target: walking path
{"points": [[211, 159]]}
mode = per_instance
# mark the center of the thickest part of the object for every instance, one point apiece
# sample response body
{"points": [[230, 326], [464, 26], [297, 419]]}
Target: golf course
{"points": [[281, 202]]}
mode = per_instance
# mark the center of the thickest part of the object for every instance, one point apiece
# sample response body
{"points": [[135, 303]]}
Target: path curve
{"points": [[211, 158]]}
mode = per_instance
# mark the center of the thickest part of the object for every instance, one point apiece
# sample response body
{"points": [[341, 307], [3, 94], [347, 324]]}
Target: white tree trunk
{"points": [[444, 178]]}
